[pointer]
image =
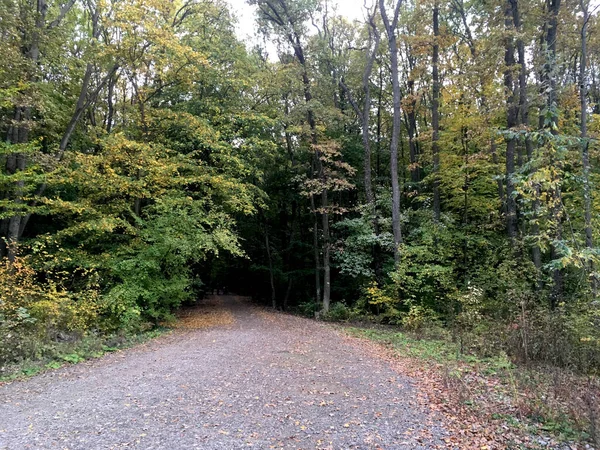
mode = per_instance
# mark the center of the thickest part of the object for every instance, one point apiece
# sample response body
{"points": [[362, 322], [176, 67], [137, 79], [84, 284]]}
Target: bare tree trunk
{"points": [[585, 154], [18, 132], [326, 255], [390, 28], [435, 114], [277, 12], [364, 115], [511, 122], [316, 249], [14, 223], [270, 260], [411, 126], [299, 52], [550, 86], [84, 100], [524, 117], [466, 187], [379, 122], [110, 104]]}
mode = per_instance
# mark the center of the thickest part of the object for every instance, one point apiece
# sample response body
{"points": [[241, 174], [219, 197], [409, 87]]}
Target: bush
{"points": [[32, 313], [308, 308], [418, 318], [338, 312]]}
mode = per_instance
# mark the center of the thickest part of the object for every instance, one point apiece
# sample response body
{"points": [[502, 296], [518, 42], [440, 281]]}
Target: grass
{"points": [[431, 350], [54, 355], [531, 404]]}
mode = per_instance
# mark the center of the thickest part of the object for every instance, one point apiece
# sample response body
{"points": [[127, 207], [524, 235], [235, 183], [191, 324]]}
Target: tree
{"points": [[390, 29]]}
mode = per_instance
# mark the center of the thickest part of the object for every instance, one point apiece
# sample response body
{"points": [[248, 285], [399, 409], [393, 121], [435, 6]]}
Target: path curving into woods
{"points": [[233, 376]]}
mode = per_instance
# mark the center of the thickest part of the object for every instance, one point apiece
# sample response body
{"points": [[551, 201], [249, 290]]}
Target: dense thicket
{"points": [[433, 166]]}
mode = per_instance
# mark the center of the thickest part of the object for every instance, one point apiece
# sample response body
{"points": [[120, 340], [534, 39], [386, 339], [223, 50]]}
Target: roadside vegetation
{"points": [[433, 166], [489, 399]]}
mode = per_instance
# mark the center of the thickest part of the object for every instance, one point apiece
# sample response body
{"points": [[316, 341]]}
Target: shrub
{"points": [[308, 308], [418, 318], [338, 312], [32, 313]]}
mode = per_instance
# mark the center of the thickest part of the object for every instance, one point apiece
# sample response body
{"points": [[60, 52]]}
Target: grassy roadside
{"points": [[58, 354], [491, 403]]}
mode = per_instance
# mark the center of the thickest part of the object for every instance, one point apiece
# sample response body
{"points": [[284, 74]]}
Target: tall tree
{"points": [[391, 29], [435, 112], [585, 144], [287, 19], [511, 119], [35, 28]]}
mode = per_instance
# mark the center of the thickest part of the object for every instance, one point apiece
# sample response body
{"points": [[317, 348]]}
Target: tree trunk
{"points": [[316, 250], [435, 115], [326, 255], [549, 86], [83, 102], [18, 132], [379, 122], [284, 19], [390, 28], [14, 223], [511, 121], [299, 52], [364, 115], [110, 104], [270, 260], [585, 155]]}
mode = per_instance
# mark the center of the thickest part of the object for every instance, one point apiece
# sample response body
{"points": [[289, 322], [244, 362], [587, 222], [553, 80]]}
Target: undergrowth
{"points": [[535, 400], [53, 355]]}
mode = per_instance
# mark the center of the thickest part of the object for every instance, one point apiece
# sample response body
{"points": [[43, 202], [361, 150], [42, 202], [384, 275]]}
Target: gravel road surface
{"points": [[235, 376]]}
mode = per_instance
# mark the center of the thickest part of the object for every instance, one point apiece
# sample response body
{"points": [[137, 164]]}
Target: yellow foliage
{"points": [[23, 300], [376, 296]]}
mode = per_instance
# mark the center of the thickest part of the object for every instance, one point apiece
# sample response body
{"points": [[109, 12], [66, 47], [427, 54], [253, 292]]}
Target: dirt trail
{"points": [[234, 376]]}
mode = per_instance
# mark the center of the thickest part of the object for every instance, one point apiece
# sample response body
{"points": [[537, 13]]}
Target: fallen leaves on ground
{"points": [[475, 407], [208, 313]]}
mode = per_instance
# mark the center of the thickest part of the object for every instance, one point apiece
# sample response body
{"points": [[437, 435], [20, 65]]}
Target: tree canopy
{"points": [[432, 164]]}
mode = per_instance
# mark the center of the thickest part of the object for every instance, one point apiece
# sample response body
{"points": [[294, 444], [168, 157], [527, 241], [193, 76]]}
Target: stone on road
{"points": [[255, 379]]}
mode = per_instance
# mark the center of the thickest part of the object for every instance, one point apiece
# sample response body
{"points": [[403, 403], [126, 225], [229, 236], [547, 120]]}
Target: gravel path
{"points": [[256, 380]]}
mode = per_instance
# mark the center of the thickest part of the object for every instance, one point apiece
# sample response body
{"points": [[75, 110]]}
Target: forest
{"points": [[432, 166]]}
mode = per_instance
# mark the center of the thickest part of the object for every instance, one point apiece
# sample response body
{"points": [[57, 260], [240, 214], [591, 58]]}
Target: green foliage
{"points": [[308, 309], [382, 301], [338, 312], [150, 156], [355, 255], [31, 312], [122, 212], [428, 269], [418, 318]]}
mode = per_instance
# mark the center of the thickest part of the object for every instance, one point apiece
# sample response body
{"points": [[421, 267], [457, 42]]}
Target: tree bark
{"points": [[390, 28], [411, 126], [435, 114], [317, 257], [511, 121], [19, 131], [364, 115], [270, 260], [550, 87], [524, 122], [585, 155], [285, 20]]}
